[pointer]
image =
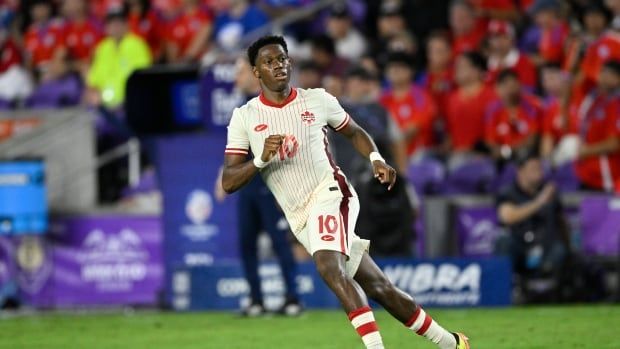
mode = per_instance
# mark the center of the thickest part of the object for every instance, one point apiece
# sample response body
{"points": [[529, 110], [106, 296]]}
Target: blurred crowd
{"points": [[441, 82]]}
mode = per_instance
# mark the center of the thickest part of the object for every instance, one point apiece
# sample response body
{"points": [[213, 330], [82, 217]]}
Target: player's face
{"points": [[273, 67]]}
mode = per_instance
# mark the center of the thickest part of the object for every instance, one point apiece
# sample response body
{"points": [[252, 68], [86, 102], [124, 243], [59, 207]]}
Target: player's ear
{"points": [[255, 72]]}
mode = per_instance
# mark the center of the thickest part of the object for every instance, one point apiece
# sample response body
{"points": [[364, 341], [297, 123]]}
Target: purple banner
{"points": [[95, 260], [218, 95], [7, 265], [600, 223], [477, 229]]}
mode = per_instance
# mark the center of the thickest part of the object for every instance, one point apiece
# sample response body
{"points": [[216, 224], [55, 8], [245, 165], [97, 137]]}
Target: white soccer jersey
{"points": [[303, 171]]}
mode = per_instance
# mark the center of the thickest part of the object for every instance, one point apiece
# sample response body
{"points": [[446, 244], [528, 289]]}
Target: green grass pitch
{"points": [[593, 327]]}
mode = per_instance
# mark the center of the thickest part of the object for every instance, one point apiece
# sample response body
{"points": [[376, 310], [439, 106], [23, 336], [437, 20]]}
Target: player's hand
{"points": [[272, 145], [385, 173]]}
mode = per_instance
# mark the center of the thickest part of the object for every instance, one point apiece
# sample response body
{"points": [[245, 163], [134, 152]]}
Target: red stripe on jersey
{"points": [[288, 99], [358, 312], [414, 317], [343, 124], [425, 325], [342, 182], [367, 328]]}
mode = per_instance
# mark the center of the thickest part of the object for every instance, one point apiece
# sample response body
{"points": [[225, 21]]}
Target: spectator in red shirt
{"points": [[15, 83], [188, 35], [467, 33], [595, 20], [553, 32], [467, 105], [505, 55], [411, 107], [598, 165], [146, 23], [82, 33], [439, 78], [606, 48], [557, 119], [44, 40], [513, 122]]}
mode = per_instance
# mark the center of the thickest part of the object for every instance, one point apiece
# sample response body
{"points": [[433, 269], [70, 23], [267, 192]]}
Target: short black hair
{"points": [[476, 60], [507, 74], [308, 66], [262, 42], [613, 65], [523, 156], [324, 43], [400, 57], [361, 73]]}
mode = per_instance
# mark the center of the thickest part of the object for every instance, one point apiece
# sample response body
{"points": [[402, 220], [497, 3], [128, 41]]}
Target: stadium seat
{"points": [[473, 177], [565, 178], [427, 176], [58, 93]]}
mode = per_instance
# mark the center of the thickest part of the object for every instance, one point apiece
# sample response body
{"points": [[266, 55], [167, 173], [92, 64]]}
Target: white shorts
{"points": [[331, 226]]}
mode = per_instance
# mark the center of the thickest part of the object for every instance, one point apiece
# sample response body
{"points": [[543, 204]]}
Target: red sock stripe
{"points": [[414, 317], [425, 325], [360, 311], [367, 328]]}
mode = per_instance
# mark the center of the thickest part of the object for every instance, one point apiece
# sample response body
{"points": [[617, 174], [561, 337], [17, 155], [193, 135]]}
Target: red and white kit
{"points": [[318, 202]]}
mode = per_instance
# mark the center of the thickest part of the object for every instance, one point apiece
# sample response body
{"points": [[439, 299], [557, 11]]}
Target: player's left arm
{"points": [[364, 144]]}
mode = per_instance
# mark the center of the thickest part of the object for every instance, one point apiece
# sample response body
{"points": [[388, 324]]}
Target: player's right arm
{"points": [[238, 171]]}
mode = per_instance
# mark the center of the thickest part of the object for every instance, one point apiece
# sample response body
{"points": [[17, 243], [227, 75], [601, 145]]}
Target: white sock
{"points": [[364, 323], [422, 324]]}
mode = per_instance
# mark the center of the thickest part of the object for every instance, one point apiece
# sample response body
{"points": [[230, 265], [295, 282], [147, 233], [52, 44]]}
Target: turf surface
{"points": [[526, 327]]}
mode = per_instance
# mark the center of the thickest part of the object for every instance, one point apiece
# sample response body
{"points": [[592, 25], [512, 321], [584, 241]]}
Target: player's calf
{"points": [[331, 267]]}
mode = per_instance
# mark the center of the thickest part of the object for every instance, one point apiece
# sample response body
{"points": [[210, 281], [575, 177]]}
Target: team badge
{"points": [[307, 117]]}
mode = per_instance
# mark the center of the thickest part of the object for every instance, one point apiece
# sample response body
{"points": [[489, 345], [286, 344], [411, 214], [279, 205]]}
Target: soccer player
{"points": [[286, 130]]}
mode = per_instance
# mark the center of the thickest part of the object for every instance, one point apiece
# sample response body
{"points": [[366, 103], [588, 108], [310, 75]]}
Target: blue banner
{"points": [[23, 198], [437, 283], [198, 230], [218, 95]]}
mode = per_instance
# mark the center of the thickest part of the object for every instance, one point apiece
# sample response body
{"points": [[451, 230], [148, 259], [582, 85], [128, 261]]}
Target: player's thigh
{"points": [[331, 224]]}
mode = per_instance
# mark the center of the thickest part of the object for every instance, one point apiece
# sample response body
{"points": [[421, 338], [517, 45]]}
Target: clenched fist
{"points": [[272, 144], [385, 173]]}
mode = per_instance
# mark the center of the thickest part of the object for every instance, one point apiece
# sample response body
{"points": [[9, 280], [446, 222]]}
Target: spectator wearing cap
{"points": [[15, 82], [513, 122], [558, 121], [606, 48], [189, 33], [553, 32], [323, 54], [467, 32], [145, 22], [241, 18], [595, 20], [82, 33], [598, 164], [118, 55], [391, 31], [350, 43], [44, 42], [504, 54], [411, 106], [467, 105], [438, 79], [538, 239]]}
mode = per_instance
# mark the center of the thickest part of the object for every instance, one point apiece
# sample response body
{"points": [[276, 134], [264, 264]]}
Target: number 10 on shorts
{"points": [[328, 224]]}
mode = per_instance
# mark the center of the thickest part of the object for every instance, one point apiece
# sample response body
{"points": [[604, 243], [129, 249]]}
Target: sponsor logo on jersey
{"points": [[260, 128]]}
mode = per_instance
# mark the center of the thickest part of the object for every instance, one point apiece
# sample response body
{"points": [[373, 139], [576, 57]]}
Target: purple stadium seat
{"points": [[4, 104], [473, 177], [427, 176], [506, 177], [600, 222], [63, 92]]}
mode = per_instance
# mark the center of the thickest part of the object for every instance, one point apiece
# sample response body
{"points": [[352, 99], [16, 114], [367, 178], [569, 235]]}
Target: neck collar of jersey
{"points": [[288, 99]]}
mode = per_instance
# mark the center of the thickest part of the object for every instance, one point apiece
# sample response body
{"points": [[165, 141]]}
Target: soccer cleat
{"points": [[462, 342], [291, 308], [253, 310]]}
